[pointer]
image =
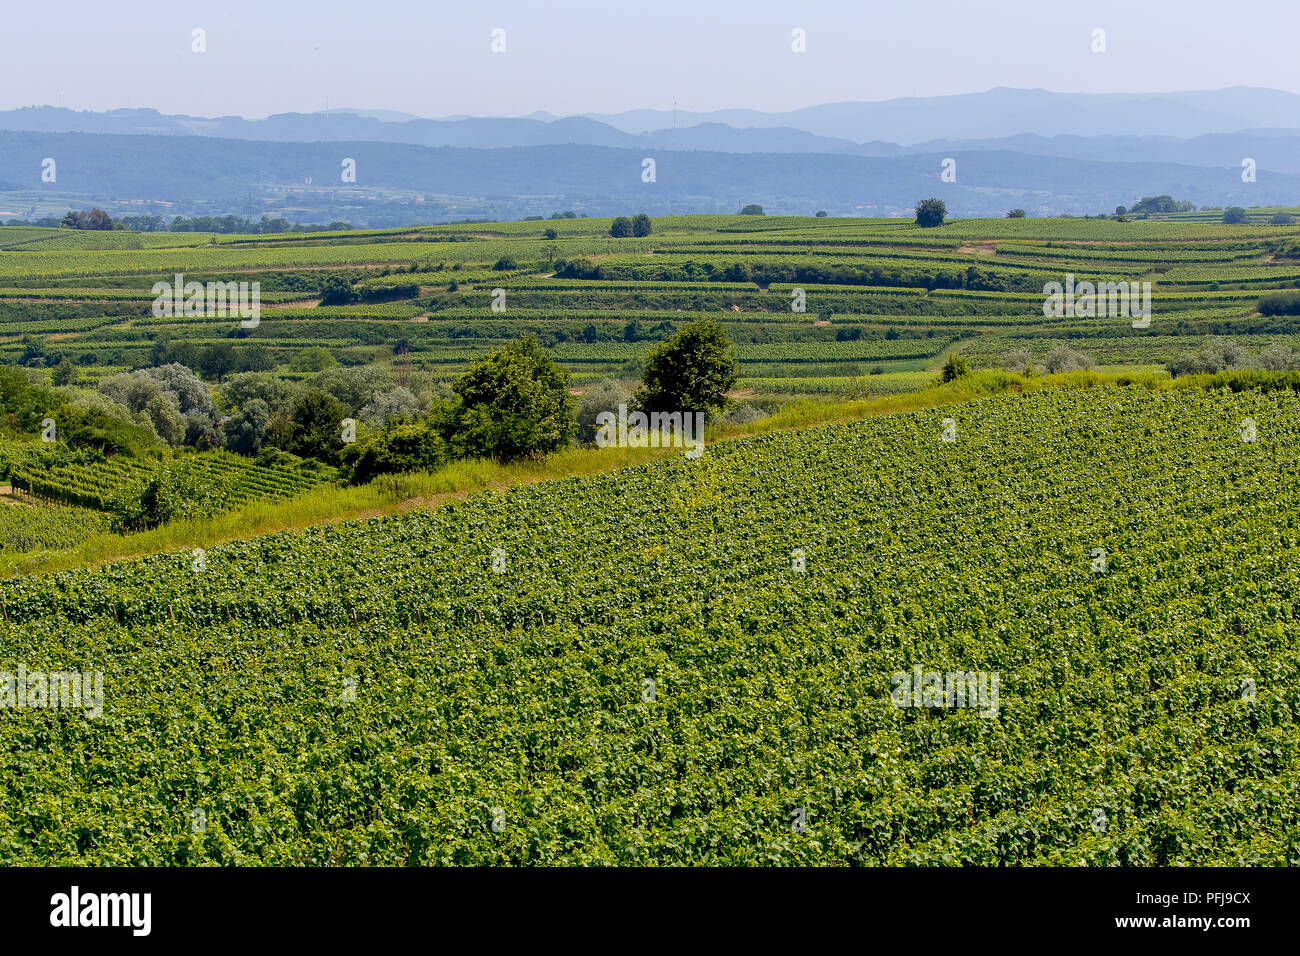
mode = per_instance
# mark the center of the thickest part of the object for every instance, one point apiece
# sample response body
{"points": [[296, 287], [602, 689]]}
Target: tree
{"points": [[641, 225], [217, 360], [81, 427], [1235, 216], [1280, 303], [255, 358], [955, 368], [691, 372], [1015, 213], [930, 212], [337, 291], [753, 209], [201, 432], [313, 359], [621, 227], [1282, 219], [64, 373], [242, 388], [514, 403], [1121, 211], [398, 402], [174, 384], [166, 351], [354, 387], [88, 219], [246, 431], [602, 396], [505, 264], [550, 234], [821, 213], [166, 418], [315, 429], [191, 394], [1160, 204]]}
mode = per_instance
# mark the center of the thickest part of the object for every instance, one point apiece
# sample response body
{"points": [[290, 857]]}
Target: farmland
{"points": [[633, 657], [900, 294], [381, 692]]}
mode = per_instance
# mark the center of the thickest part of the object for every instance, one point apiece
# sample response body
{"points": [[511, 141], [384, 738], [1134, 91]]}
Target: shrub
{"points": [[1062, 358], [603, 396], [171, 491], [406, 446], [1280, 303], [955, 367], [337, 291]]}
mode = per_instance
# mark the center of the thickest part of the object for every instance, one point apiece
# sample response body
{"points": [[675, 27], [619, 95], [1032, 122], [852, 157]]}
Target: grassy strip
{"points": [[394, 494]]}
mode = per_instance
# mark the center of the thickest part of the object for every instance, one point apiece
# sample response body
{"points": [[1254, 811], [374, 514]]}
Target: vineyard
{"points": [[95, 482], [32, 527], [806, 294], [695, 661]]}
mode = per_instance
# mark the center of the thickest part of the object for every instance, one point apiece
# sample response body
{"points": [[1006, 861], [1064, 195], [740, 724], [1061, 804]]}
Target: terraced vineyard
{"points": [[96, 483], [695, 661], [879, 291]]}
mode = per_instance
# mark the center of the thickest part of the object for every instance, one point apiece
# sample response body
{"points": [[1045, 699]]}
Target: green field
{"points": [[625, 656], [877, 292], [380, 692]]}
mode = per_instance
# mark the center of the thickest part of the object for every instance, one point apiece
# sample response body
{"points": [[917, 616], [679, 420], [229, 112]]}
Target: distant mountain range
{"points": [[192, 172], [1047, 152], [1008, 112], [866, 129]]}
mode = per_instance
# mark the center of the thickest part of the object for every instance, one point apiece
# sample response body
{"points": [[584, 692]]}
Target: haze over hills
{"points": [[1049, 153], [863, 128], [1006, 112], [302, 180]]}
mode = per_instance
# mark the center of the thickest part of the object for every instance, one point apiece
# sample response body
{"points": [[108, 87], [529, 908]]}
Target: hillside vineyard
{"points": [[693, 661]]}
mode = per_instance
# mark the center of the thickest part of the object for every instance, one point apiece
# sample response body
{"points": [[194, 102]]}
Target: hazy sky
{"points": [[434, 58]]}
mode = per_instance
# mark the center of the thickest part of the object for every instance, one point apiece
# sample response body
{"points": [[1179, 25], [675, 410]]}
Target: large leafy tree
{"points": [[246, 431], [514, 403], [931, 212], [691, 372], [88, 219], [315, 429]]}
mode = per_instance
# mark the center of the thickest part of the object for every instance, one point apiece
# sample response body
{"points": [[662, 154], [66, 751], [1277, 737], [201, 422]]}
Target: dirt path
{"points": [[947, 353]]}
